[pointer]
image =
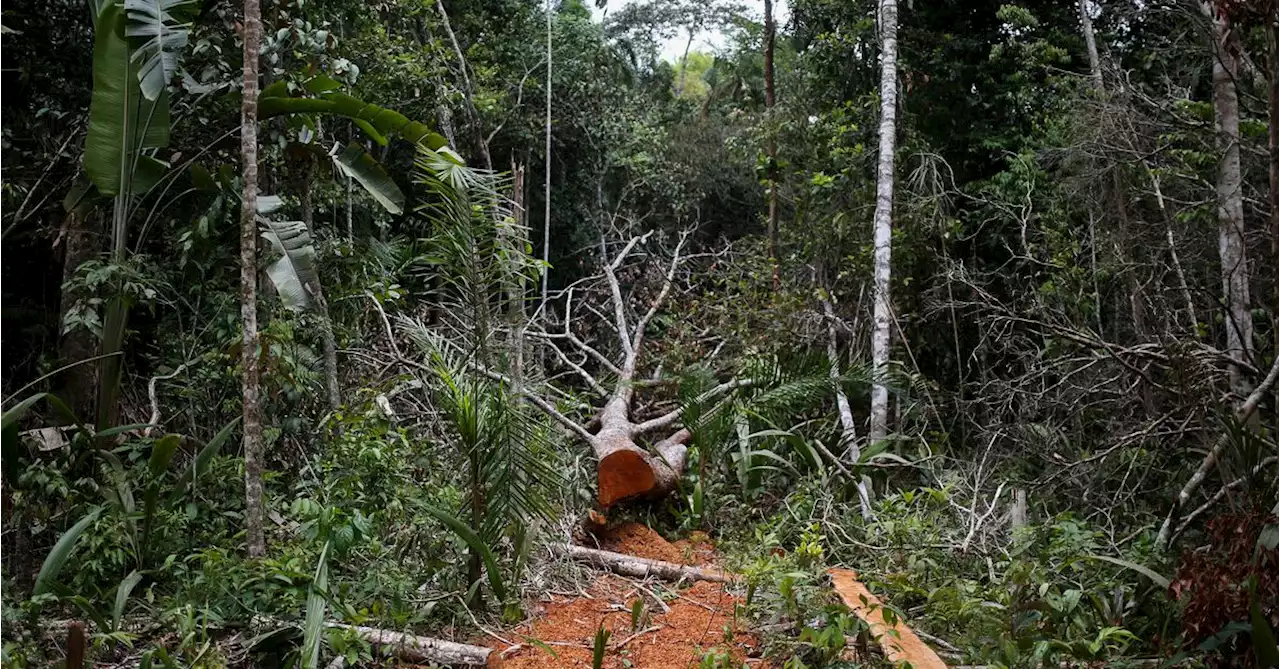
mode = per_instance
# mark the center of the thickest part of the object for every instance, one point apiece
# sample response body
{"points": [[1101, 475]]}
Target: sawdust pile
{"points": [[701, 617]]}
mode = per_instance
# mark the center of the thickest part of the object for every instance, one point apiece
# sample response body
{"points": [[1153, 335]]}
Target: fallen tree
{"points": [[638, 567], [624, 467], [419, 648]]}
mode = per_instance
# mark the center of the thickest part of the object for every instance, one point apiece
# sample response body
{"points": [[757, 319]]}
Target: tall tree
{"points": [[884, 217], [1273, 132], [546, 176], [250, 384], [771, 146], [1090, 44], [1231, 249]]}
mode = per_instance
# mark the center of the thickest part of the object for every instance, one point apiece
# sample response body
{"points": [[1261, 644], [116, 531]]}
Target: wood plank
{"points": [[900, 644]]}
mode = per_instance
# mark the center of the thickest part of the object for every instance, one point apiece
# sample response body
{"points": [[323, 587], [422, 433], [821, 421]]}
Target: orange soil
{"points": [[638, 540], [700, 620]]}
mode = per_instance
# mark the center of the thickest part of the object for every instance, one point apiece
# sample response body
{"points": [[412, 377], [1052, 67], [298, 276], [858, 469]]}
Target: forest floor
{"points": [[677, 627]]}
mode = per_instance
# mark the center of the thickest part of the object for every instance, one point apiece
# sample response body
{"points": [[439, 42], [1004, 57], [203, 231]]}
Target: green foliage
{"points": [[295, 269], [599, 646], [320, 95]]}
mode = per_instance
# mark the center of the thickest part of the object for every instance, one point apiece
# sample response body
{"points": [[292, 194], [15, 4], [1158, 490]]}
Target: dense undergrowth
{"points": [[170, 584]]}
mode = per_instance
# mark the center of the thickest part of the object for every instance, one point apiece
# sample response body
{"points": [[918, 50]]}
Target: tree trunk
{"points": [[546, 180], [1090, 45], [80, 244], [250, 383], [624, 469], [684, 63], [848, 428], [482, 146], [771, 145], [884, 218], [1273, 132], [1231, 248], [328, 341], [638, 567]]}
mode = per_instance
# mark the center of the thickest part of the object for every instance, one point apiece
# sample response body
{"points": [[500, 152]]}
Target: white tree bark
{"points": [[1231, 248], [1090, 45], [884, 217], [638, 567], [848, 428]]}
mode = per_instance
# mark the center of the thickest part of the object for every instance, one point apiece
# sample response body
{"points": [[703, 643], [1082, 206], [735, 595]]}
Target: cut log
{"points": [[624, 469], [901, 646], [637, 567], [419, 648]]}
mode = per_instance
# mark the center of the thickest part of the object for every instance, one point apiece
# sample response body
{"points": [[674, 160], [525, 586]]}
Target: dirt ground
{"points": [[700, 617]]}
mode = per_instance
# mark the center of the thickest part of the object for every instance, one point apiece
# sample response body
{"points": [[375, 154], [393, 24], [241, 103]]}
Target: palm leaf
{"points": [[475, 543], [122, 598], [162, 453], [317, 600], [296, 267], [357, 164], [163, 40], [57, 557], [1145, 571], [122, 121], [201, 463], [375, 121]]}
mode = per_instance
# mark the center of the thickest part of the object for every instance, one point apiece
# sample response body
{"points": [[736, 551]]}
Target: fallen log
{"points": [[419, 648], [901, 646], [637, 567]]}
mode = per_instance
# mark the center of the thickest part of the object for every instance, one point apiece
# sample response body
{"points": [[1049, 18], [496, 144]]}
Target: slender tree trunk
{"points": [[848, 428], [250, 383], [884, 218], [546, 180], [328, 341], [482, 146], [80, 243], [771, 145], [1231, 245], [684, 63], [1273, 132], [1090, 44]]}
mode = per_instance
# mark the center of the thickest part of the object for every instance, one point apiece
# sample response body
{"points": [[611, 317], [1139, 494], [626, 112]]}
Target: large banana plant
{"points": [[138, 45], [136, 51]]}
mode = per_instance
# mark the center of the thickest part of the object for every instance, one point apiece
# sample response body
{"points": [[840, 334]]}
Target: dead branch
{"points": [[1242, 414], [637, 567], [419, 648]]}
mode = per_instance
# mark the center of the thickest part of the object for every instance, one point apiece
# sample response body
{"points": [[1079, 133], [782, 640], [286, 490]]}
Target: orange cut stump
{"points": [[622, 474], [899, 643]]}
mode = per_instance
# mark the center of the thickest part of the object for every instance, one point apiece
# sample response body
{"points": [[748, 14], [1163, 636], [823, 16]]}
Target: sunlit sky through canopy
{"points": [[706, 41]]}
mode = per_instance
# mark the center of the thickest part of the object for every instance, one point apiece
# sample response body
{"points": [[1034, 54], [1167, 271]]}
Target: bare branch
{"points": [[619, 306], [1242, 414], [662, 295]]}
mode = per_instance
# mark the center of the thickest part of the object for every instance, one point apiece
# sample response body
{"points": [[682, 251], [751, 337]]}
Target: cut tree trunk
{"points": [[624, 469], [637, 567]]}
